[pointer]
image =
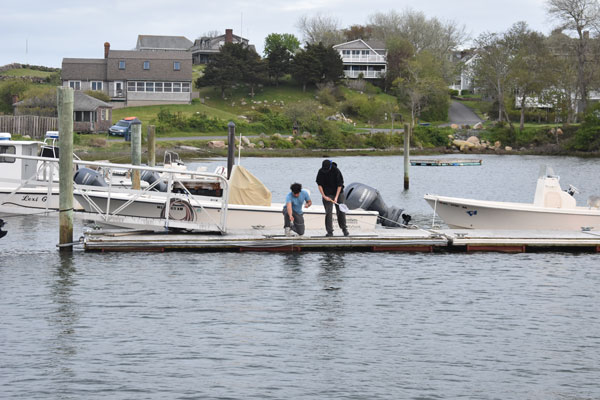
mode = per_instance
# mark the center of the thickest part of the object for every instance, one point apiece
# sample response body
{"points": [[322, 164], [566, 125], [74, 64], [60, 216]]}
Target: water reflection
{"points": [[65, 316]]}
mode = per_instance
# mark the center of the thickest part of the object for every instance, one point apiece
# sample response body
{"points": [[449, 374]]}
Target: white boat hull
{"points": [[207, 212], [479, 214]]}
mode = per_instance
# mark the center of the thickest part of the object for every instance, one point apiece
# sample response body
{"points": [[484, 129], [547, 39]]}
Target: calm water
{"points": [[314, 325]]}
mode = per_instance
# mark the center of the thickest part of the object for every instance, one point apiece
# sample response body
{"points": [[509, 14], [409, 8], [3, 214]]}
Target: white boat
{"points": [[239, 203], [552, 209], [199, 200], [28, 183]]}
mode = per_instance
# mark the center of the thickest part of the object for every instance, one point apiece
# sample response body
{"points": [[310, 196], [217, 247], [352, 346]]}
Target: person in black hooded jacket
{"points": [[331, 186]]}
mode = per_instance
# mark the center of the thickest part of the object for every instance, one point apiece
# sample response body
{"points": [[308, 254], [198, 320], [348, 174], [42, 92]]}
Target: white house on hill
{"points": [[363, 58]]}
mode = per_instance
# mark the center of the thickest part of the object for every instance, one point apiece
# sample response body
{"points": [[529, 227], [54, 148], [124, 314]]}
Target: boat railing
{"points": [[131, 195]]}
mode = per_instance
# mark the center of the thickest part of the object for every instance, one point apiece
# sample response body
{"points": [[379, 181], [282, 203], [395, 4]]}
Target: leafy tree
{"points": [[278, 62], [399, 52], [422, 88], [8, 90], [564, 70], [492, 68], [317, 63], [235, 63], [278, 40], [279, 49], [304, 68], [578, 16], [531, 69]]}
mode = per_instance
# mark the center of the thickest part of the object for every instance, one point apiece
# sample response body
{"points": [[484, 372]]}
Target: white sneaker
{"points": [[288, 232]]}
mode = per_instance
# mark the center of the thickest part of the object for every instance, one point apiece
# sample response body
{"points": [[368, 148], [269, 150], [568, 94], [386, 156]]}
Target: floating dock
{"points": [[444, 162], [391, 240]]}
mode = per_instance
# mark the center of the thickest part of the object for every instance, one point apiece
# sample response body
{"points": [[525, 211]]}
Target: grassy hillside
{"points": [[20, 72]]}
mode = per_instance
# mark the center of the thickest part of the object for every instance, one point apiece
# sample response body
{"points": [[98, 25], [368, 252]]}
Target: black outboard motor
{"points": [[89, 177], [359, 195], [2, 233], [151, 177]]}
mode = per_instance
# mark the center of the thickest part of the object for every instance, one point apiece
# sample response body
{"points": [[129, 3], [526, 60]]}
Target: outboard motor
{"points": [[2, 233], [359, 195], [151, 177], [89, 177]]}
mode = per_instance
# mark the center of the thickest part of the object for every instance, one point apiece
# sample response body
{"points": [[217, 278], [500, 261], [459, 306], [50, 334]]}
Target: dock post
{"points": [[65, 100], [151, 145], [136, 152], [230, 147], [407, 132]]}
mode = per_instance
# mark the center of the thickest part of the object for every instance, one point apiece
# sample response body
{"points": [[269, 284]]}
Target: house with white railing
{"points": [[363, 58]]}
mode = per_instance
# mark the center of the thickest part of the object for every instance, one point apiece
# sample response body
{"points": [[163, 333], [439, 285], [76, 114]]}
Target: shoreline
{"points": [[187, 152]]}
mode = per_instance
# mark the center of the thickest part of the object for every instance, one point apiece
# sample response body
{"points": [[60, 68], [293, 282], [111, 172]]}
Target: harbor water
{"points": [[318, 325]]}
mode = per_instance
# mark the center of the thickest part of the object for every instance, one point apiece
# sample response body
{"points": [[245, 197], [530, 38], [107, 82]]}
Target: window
{"points": [[167, 87], [149, 86], [97, 85], [131, 86], [7, 150], [158, 87], [176, 66], [146, 64], [176, 87], [121, 64], [185, 87], [140, 86], [75, 85]]}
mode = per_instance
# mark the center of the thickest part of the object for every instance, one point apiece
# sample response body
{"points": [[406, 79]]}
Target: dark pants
{"points": [[341, 217], [298, 225]]}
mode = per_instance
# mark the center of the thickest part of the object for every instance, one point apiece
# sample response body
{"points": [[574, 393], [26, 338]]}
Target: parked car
{"points": [[123, 128]]}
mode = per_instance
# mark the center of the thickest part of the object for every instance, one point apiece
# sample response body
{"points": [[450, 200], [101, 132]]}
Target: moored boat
{"points": [[552, 209]]}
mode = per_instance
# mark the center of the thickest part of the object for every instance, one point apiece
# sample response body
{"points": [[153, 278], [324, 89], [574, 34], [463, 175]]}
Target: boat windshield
{"points": [[546, 171]]}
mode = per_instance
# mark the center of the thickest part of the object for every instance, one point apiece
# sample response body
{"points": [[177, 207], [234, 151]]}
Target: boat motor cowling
{"points": [[359, 195], [151, 177], [89, 177]]}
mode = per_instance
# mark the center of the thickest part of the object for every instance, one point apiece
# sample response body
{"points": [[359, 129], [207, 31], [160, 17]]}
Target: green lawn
{"points": [[17, 72]]}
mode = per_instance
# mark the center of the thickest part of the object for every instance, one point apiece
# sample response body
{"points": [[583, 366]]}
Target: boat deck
{"points": [[399, 240]]}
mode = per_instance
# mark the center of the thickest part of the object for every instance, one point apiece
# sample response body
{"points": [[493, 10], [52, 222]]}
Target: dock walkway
{"points": [[399, 240]]}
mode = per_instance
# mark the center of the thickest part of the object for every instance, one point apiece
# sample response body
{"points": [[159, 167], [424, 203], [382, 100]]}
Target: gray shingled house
{"points": [[90, 115], [133, 78], [205, 47]]}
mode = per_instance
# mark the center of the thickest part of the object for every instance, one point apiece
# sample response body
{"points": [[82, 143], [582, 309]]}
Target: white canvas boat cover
{"points": [[245, 188]]}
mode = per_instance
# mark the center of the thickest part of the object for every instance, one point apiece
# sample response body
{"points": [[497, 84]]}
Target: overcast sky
{"points": [[42, 32]]}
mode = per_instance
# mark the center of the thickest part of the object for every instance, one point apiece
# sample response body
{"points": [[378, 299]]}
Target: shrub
{"points": [[587, 137]]}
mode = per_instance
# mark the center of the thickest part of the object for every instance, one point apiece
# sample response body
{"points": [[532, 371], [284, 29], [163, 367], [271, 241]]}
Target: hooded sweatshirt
{"points": [[330, 177]]}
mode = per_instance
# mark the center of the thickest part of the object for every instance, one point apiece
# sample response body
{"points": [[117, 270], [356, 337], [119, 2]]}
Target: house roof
{"points": [[91, 68], [149, 55], [81, 102], [358, 44], [152, 42]]}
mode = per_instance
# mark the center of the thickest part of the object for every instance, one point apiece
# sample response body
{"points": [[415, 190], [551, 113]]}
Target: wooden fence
{"points": [[31, 125]]}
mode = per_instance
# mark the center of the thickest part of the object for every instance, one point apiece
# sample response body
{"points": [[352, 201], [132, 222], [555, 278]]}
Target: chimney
{"points": [[228, 35], [586, 35], [106, 49]]}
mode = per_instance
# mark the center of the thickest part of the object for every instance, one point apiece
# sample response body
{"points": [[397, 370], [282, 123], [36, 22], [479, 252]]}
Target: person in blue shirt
{"points": [[292, 212]]}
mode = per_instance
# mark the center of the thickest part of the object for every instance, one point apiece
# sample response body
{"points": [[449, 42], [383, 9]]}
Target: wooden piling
{"points": [[151, 145], [407, 132], [230, 148], [65, 166], [136, 152]]}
